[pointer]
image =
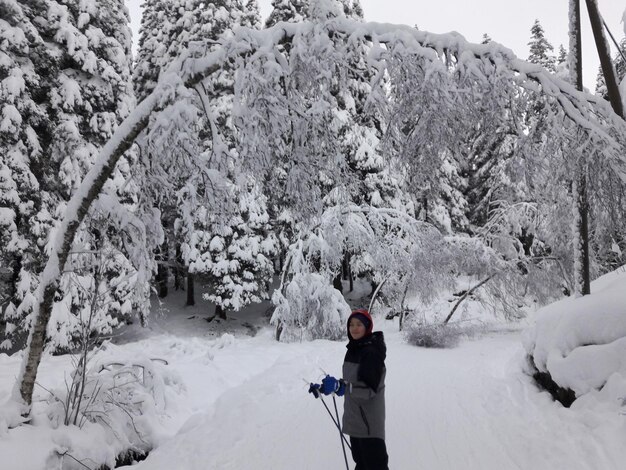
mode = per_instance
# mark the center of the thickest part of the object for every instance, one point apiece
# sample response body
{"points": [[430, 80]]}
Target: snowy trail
{"points": [[465, 408]]}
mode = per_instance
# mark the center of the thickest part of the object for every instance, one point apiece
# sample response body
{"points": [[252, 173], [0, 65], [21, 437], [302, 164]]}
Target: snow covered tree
{"points": [[189, 28], [489, 75], [434, 174], [562, 70], [387, 241], [234, 257], [295, 11], [608, 194], [352, 9], [292, 11], [157, 22], [562, 57], [217, 138], [309, 309], [351, 126], [159, 45], [340, 110], [78, 81], [540, 48], [21, 217]]}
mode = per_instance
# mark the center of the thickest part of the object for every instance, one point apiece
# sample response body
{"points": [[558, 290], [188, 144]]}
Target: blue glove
{"points": [[315, 390], [332, 385]]}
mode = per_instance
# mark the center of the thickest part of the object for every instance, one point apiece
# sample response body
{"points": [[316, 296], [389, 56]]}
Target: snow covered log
{"points": [[578, 345]]}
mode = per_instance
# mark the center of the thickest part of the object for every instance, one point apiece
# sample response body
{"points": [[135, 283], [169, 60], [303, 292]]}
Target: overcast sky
{"points": [[506, 21]]}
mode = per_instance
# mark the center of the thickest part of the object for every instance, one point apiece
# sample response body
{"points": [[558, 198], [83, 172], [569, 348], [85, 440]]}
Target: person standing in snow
{"points": [[363, 386]]}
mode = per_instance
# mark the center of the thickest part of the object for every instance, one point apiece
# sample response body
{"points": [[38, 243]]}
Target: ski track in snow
{"points": [[470, 407]]}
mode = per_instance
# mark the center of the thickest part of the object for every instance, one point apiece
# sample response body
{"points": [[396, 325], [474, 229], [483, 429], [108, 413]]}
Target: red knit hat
{"points": [[364, 317]]}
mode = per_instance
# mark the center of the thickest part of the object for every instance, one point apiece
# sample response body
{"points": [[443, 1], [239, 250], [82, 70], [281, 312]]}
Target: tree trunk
{"points": [[605, 58], [337, 284], [575, 45], [219, 312], [350, 277], [179, 274], [278, 268], [582, 279], [162, 271], [15, 279], [190, 291], [465, 296], [75, 212]]}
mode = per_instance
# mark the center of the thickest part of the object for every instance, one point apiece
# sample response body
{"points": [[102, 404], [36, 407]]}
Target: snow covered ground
{"points": [[245, 405], [467, 408]]}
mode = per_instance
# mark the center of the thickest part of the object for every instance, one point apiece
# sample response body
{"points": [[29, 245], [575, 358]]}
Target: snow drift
{"points": [[581, 342]]}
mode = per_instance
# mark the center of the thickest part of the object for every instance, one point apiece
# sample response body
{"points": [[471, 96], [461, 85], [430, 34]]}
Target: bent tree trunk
{"points": [[76, 210], [79, 205], [465, 296]]}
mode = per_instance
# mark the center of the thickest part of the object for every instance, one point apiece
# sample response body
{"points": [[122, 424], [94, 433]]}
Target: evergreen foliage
{"points": [[201, 164], [291, 11], [562, 57], [540, 49], [22, 218], [358, 142], [72, 87], [235, 258], [157, 21]]}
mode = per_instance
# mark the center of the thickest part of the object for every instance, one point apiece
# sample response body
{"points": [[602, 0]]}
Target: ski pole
{"points": [[342, 438], [335, 421]]}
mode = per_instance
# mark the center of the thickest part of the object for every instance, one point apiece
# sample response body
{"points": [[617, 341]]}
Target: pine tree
{"points": [[352, 9], [540, 48], [280, 199], [486, 39], [21, 217], [291, 11], [237, 261], [157, 21], [562, 57], [79, 81], [198, 204], [201, 137]]}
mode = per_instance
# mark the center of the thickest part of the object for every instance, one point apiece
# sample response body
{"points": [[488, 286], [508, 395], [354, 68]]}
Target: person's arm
{"points": [[371, 369], [369, 373]]}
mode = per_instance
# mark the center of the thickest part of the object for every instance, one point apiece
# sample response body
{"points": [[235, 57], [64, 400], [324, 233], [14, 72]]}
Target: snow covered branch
{"points": [[456, 73]]}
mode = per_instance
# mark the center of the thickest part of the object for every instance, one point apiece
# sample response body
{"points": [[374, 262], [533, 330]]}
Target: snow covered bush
{"points": [[310, 308], [121, 401], [437, 335], [578, 345]]}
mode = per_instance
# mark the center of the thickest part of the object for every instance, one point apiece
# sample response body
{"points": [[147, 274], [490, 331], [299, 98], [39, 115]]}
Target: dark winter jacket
{"points": [[364, 370]]}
